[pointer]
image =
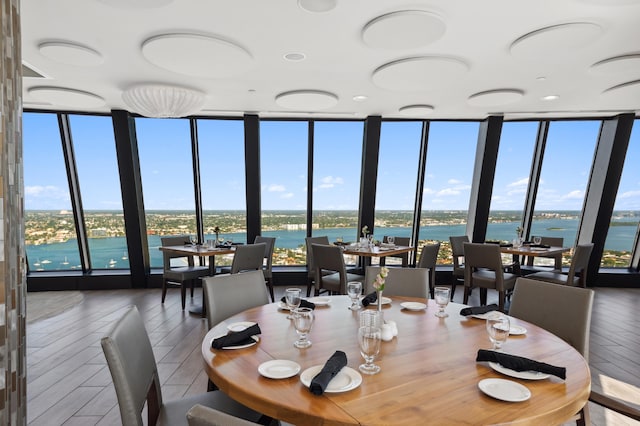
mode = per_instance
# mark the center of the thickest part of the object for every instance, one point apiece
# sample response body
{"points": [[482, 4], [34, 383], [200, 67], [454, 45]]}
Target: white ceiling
{"points": [[455, 59]]}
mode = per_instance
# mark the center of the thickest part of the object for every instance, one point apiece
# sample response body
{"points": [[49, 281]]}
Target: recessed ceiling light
{"points": [[541, 78], [550, 98], [317, 5], [360, 98], [295, 56]]}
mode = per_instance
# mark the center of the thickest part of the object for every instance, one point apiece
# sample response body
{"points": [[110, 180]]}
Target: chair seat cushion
{"points": [[487, 279], [186, 272], [553, 277], [332, 281], [175, 412]]}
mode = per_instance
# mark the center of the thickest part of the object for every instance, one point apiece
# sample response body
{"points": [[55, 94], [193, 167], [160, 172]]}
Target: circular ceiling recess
{"points": [[404, 29], [158, 100], [420, 73], [67, 97], [555, 40], [307, 100], [416, 110], [197, 55], [70, 53], [317, 6], [628, 86], [495, 97], [617, 64], [136, 4]]}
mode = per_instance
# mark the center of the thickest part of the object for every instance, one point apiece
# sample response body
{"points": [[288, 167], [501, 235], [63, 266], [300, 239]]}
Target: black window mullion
{"points": [[422, 166], [197, 187], [310, 145], [534, 177]]}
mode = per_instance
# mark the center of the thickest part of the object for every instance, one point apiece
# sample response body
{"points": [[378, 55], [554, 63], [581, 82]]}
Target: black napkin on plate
{"points": [[506, 245], [332, 367], [369, 299], [540, 245], [492, 242], [478, 310], [518, 363], [303, 303], [237, 338]]}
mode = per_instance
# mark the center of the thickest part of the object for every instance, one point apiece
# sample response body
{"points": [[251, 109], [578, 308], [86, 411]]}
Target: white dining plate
{"points": [[239, 326], [528, 375], [413, 306], [504, 390], [320, 301], [538, 248], [279, 369], [347, 379], [517, 330], [385, 300], [482, 316], [283, 306]]}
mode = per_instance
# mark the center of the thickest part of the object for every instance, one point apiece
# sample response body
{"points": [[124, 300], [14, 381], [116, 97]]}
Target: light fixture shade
{"points": [[163, 101]]}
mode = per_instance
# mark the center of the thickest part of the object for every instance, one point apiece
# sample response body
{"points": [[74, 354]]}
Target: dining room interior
{"points": [[223, 126]]}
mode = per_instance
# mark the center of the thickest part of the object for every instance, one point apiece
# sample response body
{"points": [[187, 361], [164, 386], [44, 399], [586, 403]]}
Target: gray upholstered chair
{"points": [[428, 259], [457, 252], [411, 282], [186, 272], [199, 415], [247, 257], [267, 266], [331, 273], [483, 268], [577, 275], [399, 241], [135, 377], [311, 266], [562, 310], [557, 258]]}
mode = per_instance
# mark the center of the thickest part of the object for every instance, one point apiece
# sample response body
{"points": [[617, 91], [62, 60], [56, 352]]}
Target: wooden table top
{"points": [[428, 372], [382, 251]]}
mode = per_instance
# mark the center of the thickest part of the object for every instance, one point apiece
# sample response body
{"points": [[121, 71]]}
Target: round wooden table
{"points": [[428, 372]]}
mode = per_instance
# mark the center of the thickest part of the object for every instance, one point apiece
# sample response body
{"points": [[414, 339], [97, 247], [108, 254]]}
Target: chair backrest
{"points": [[227, 295], [429, 255], [268, 252], [580, 264], [175, 240], [457, 249], [552, 241], [199, 415], [411, 282], [564, 311], [329, 258], [486, 257], [248, 257], [133, 368], [311, 266]]}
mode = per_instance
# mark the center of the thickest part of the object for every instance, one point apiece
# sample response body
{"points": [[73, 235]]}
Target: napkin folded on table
{"points": [[478, 310], [303, 303], [540, 245], [369, 299], [518, 363], [237, 338], [332, 367]]}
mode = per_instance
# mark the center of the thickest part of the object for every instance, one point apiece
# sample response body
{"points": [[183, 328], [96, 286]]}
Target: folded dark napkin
{"points": [[506, 245], [478, 310], [540, 245], [369, 299], [237, 338], [492, 242], [303, 303], [332, 367], [518, 363]]}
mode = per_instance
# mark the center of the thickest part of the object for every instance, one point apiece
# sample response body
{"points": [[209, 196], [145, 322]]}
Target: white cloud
{"points": [[276, 188], [519, 183], [630, 194], [330, 182], [454, 181], [47, 191], [287, 195], [428, 191], [448, 191], [574, 195]]}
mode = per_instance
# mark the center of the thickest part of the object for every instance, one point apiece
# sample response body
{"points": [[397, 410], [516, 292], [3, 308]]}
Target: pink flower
{"points": [[378, 284]]}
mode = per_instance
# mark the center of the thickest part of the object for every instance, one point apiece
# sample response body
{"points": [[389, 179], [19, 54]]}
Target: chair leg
{"points": [[211, 386], [309, 286], [183, 293], [483, 296], [501, 300], [192, 285], [164, 289], [270, 285], [466, 294]]}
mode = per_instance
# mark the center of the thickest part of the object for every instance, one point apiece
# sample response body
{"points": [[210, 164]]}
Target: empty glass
{"points": [[369, 342], [498, 329], [391, 240], [371, 318], [354, 288], [292, 297], [441, 296], [302, 321], [537, 240]]}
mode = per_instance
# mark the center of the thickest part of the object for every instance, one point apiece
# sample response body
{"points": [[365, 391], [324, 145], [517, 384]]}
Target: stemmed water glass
{"points": [[354, 288], [441, 296], [391, 240], [302, 321], [369, 342], [292, 297], [498, 329], [537, 240]]}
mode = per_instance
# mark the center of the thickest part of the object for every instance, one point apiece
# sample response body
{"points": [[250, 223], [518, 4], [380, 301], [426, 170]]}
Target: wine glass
{"points": [[292, 297], [369, 342], [391, 240], [354, 288], [537, 240], [302, 321], [441, 295], [498, 329]]}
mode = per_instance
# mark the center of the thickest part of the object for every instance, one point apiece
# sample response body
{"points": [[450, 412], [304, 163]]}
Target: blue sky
{"points": [[165, 155]]}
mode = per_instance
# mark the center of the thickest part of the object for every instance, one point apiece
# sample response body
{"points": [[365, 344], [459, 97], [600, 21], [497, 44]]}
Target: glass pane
{"points": [[164, 148], [283, 164], [517, 144], [451, 152], [50, 234], [396, 186], [626, 210], [95, 152], [564, 175], [221, 148]]}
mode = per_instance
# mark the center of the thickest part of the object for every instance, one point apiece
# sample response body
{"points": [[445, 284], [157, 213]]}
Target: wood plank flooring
{"points": [[68, 382]]}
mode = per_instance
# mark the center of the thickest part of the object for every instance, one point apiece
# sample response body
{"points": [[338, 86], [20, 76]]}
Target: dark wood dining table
{"points": [[367, 253], [429, 373], [527, 250]]}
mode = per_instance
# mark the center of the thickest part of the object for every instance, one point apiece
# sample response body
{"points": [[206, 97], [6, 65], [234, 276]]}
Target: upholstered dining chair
{"points": [[331, 273], [428, 259], [577, 275], [457, 253], [410, 282], [247, 257], [135, 377], [184, 273], [311, 266], [483, 268], [557, 258], [564, 311], [199, 415], [267, 267], [399, 241]]}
